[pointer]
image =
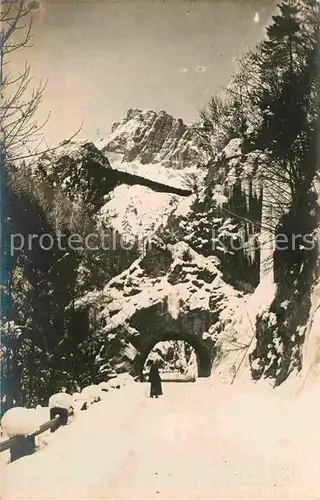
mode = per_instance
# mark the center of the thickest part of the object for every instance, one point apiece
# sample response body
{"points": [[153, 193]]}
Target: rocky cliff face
{"points": [[150, 137], [169, 293], [151, 301]]}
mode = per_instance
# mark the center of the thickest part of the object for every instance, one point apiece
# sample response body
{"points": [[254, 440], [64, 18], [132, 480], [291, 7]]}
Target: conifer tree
{"points": [[286, 95], [288, 99]]}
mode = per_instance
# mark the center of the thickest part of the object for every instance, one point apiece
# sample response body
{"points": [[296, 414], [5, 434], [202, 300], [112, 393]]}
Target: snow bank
{"points": [[311, 348], [104, 386], [97, 392], [92, 393], [80, 401], [121, 380], [42, 414], [89, 395]]}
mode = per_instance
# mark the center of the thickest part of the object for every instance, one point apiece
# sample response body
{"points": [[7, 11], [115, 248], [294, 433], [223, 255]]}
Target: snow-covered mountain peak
{"points": [[152, 137]]}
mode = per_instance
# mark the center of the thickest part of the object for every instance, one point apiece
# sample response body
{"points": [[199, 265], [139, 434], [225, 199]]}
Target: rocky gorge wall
{"points": [[150, 302]]}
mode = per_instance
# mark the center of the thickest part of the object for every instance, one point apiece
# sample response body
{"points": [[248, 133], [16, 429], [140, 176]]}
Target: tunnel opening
{"points": [[193, 347], [173, 356]]}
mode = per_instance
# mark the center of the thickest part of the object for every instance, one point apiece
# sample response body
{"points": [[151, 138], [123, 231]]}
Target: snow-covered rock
{"points": [[171, 292]]}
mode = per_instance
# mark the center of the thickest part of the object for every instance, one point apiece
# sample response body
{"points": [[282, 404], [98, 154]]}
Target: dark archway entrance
{"points": [[204, 360], [173, 357]]}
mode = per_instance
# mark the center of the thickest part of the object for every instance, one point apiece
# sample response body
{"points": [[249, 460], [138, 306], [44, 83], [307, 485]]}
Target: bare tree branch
{"points": [[21, 134]]}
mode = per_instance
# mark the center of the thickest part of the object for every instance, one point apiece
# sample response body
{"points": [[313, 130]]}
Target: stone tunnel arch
{"points": [[204, 360]]}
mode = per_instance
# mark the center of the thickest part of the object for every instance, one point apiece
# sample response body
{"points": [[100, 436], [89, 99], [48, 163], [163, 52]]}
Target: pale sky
{"points": [[102, 57]]}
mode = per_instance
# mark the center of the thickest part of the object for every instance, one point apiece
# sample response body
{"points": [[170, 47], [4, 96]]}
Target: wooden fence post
{"points": [[22, 446], [62, 413]]}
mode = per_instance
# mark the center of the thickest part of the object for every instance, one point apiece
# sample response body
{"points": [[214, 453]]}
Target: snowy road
{"points": [[195, 442]]}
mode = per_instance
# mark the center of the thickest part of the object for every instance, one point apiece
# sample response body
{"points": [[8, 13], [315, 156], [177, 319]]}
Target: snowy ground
{"points": [[197, 441]]}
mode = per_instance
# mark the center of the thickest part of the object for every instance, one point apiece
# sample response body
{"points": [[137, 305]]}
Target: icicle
{"points": [[269, 220], [252, 248], [256, 188], [245, 189]]}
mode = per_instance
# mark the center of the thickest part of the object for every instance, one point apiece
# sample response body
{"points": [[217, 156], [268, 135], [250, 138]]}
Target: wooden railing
{"points": [[22, 445]]}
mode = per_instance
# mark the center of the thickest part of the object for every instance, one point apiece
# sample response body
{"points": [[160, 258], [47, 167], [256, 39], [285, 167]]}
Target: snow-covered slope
{"points": [[136, 211]]}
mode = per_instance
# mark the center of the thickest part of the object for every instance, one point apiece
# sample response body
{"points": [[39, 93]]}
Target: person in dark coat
{"points": [[155, 380]]}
